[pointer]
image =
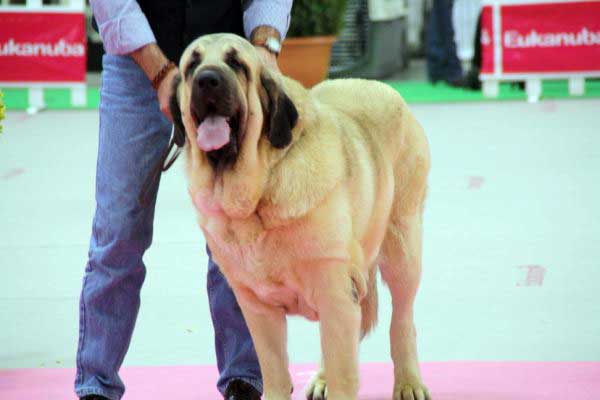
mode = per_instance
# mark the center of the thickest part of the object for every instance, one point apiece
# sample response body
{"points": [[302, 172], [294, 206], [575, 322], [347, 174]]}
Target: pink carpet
{"points": [[446, 380]]}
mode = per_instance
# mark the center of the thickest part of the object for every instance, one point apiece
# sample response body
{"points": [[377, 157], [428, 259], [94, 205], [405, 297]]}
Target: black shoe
{"points": [[520, 85], [472, 79], [94, 397], [240, 390], [454, 82]]}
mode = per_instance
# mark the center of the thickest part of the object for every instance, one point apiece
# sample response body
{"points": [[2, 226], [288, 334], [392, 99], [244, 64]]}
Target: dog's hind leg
{"points": [[401, 270]]}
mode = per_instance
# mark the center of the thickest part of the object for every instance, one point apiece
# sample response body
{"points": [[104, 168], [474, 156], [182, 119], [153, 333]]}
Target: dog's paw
{"points": [[411, 391], [317, 389]]}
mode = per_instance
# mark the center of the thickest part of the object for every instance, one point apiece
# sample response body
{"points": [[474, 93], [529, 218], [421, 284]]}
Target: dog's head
{"points": [[222, 90]]}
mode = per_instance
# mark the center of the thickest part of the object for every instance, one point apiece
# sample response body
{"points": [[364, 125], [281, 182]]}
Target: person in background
{"points": [[472, 80], [143, 41], [442, 61]]}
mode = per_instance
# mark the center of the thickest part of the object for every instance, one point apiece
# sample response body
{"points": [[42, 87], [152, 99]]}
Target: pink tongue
{"points": [[213, 133]]}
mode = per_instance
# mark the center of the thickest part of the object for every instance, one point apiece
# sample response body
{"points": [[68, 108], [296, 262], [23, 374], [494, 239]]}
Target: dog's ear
{"points": [[179, 131], [281, 114]]}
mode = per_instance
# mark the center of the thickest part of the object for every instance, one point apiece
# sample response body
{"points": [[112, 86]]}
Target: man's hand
{"points": [[165, 90], [268, 58]]}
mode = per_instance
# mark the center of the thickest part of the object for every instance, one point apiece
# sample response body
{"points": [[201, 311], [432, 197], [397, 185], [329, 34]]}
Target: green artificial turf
{"points": [[56, 99], [424, 92], [412, 91]]}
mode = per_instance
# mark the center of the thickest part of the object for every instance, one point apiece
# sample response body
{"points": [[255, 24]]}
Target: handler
{"points": [[143, 41]]}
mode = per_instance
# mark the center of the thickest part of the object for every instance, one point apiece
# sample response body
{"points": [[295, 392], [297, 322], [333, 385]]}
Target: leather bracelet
{"points": [[162, 73]]}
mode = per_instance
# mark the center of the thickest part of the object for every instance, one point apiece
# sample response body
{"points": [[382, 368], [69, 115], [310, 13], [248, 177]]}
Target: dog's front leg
{"points": [[268, 328], [339, 315]]}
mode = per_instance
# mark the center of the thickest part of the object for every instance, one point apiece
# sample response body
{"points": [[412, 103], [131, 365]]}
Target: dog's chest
{"points": [[266, 263]]}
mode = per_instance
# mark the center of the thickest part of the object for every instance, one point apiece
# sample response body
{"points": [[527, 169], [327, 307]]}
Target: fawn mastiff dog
{"points": [[302, 196]]}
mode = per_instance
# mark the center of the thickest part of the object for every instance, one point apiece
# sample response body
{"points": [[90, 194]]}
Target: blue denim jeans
{"points": [[133, 134]]}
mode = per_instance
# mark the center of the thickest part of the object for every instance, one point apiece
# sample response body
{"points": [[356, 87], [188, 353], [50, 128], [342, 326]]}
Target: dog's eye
{"points": [[195, 61], [234, 63], [189, 70]]}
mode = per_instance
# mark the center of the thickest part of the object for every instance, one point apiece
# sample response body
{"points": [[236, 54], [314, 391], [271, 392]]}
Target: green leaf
{"points": [[316, 18]]}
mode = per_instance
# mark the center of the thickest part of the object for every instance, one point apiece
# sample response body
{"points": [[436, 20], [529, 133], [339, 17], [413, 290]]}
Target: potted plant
{"points": [[306, 52]]}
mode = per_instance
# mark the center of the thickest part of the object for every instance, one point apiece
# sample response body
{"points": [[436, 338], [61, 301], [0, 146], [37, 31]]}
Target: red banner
{"points": [[487, 41], [42, 47], [545, 38]]}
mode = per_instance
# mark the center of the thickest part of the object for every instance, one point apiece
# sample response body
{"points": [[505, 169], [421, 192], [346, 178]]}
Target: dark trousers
{"points": [[476, 62], [442, 60]]}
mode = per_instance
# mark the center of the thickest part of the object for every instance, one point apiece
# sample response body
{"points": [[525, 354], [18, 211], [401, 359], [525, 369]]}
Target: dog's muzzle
{"points": [[216, 112]]}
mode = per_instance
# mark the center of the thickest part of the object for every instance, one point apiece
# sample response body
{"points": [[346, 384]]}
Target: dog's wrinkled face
{"points": [[217, 75]]}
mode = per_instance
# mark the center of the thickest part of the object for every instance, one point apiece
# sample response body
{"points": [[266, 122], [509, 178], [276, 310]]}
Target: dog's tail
{"points": [[369, 305]]}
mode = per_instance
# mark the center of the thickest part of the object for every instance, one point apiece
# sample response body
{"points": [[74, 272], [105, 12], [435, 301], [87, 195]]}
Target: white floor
{"points": [[514, 191]]}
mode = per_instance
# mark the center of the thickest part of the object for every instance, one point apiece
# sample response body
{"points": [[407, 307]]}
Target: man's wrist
{"points": [[162, 74], [151, 60], [267, 37]]}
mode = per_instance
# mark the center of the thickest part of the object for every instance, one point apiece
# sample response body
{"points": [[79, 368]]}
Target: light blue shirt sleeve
{"points": [[275, 13], [122, 24]]}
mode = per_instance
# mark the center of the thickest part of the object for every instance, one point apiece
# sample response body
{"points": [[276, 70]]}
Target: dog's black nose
{"points": [[208, 80]]}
